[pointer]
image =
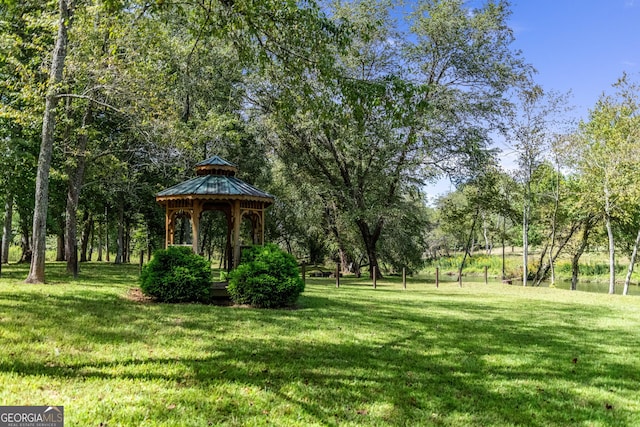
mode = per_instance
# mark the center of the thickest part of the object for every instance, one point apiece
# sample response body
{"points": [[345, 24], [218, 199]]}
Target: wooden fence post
{"points": [[337, 275], [437, 276], [374, 277], [404, 278]]}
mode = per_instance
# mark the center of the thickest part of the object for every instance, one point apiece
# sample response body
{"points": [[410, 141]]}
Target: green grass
{"points": [[481, 355]]}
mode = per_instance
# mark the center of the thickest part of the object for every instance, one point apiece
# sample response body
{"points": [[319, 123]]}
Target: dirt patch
{"points": [[136, 295]]}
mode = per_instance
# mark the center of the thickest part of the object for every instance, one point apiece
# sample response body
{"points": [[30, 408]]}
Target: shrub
{"points": [[177, 274], [267, 277]]}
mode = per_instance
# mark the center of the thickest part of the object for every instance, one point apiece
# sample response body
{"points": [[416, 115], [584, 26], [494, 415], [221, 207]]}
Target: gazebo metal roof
{"points": [[214, 185]]}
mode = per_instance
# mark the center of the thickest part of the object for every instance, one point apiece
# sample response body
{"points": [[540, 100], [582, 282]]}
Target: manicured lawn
{"points": [[479, 355]]}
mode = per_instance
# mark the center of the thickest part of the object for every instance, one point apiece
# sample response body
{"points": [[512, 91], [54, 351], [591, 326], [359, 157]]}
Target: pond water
{"points": [[599, 287], [583, 286]]}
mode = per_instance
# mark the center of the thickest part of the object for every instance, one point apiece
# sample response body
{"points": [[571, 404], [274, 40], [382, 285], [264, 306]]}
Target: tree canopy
{"points": [[341, 111]]}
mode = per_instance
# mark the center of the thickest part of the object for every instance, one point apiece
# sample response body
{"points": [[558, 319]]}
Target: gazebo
{"points": [[216, 188]]}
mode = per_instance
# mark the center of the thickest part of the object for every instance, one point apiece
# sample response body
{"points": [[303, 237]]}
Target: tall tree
{"points": [[371, 131], [36, 272], [530, 131], [608, 159], [25, 34]]}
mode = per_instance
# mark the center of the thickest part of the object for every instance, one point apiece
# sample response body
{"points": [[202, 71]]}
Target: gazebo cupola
{"points": [[216, 166], [216, 188]]}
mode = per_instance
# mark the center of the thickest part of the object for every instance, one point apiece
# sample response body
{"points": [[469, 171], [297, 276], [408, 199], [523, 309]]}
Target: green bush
{"points": [[267, 277], [177, 274]]}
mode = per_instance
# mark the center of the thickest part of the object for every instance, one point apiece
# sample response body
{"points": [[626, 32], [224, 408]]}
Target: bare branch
{"points": [[95, 101]]}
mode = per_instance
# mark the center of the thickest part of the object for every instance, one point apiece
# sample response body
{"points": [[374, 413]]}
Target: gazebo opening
{"points": [[182, 232], [215, 188], [213, 237]]}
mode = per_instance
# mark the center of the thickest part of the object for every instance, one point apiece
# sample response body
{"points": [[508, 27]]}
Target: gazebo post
{"points": [[167, 225], [237, 221], [195, 225], [262, 226], [228, 248]]}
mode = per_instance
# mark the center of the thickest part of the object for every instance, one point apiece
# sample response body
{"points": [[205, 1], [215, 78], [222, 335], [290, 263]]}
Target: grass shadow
{"points": [[352, 355]]}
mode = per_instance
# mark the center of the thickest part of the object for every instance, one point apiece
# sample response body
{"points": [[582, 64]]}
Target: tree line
{"points": [[344, 111], [572, 187]]}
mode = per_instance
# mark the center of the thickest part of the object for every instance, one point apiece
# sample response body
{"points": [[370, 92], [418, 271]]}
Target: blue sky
{"points": [[578, 46], [582, 46]]}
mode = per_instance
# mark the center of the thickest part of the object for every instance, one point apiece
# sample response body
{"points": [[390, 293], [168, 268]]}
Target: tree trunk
{"points": [[469, 240], [100, 231], [205, 245], [92, 241], [71, 254], [554, 225], [87, 222], [588, 224], [25, 244], [485, 234], [627, 280], [76, 177], [330, 214], [612, 248], [575, 268], [525, 243], [342, 257], [356, 268], [221, 265], [127, 242], [370, 240], [180, 229], [60, 247], [542, 267], [504, 227], [106, 234], [36, 271], [7, 236], [120, 248], [543, 272]]}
